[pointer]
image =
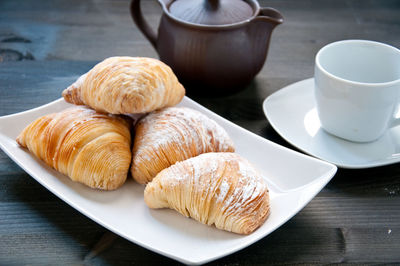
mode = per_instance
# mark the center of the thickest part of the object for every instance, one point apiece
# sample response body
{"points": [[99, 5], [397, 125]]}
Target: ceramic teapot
{"points": [[215, 46]]}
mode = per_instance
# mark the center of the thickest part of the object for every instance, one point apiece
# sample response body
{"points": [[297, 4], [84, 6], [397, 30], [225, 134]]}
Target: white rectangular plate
{"points": [[293, 179]]}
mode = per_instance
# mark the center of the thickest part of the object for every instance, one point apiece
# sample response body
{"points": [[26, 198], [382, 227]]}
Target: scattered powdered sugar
{"points": [[223, 190], [254, 185], [198, 171], [246, 170], [178, 175], [212, 132], [249, 185], [223, 185], [213, 166], [182, 128], [220, 135]]}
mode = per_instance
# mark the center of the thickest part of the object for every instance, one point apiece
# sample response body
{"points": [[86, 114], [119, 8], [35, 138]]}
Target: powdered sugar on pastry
{"points": [[171, 135], [213, 188]]}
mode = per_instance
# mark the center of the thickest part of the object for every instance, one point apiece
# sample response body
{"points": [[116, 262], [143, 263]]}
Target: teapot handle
{"points": [[143, 26]]}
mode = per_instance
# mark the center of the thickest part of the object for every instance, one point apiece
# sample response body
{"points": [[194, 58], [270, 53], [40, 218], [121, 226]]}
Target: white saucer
{"points": [[291, 112]]}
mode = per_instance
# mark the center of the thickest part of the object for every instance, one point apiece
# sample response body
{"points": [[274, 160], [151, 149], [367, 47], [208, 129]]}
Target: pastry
{"points": [[174, 134], [126, 85], [89, 147], [213, 188]]}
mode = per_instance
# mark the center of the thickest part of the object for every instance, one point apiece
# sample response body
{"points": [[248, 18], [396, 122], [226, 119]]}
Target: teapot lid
{"points": [[211, 12]]}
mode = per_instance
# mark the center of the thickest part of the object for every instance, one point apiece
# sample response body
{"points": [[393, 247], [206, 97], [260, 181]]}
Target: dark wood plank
{"points": [[355, 219], [40, 81]]}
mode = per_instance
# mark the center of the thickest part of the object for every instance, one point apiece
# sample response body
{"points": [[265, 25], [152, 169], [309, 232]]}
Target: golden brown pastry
{"points": [[171, 135], [213, 188], [126, 85], [89, 147]]}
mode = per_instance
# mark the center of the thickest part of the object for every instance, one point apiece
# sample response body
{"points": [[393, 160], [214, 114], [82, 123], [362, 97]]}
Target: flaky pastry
{"points": [[174, 134], [89, 147], [126, 85], [213, 188]]}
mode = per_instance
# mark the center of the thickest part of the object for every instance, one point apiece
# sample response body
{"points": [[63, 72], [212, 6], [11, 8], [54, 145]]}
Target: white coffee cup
{"points": [[357, 88]]}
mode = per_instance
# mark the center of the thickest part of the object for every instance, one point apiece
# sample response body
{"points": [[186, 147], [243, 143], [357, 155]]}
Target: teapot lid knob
{"points": [[212, 12], [212, 4]]}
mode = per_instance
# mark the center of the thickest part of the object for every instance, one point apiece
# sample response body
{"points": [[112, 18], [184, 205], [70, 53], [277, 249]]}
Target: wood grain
{"points": [[355, 219]]}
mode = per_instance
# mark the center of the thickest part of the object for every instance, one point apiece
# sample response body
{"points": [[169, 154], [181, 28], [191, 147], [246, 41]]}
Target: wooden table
{"points": [[45, 45]]}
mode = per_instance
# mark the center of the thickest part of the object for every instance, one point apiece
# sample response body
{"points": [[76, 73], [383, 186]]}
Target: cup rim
{"points": [[372, 84]]}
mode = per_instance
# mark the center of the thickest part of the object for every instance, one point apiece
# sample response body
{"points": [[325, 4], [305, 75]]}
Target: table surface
{"points": [[45, 45]]}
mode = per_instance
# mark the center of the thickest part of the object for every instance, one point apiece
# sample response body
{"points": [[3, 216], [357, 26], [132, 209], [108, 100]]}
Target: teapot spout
{"points": [[270, 15]]}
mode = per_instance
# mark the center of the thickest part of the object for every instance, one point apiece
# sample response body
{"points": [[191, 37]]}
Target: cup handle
{"points": [[396, 119], [143, 26]]}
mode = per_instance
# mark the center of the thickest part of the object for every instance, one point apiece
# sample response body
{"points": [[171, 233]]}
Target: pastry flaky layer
{"points": [[213, 188], [126, 85], [89, 147], [174, 134]]}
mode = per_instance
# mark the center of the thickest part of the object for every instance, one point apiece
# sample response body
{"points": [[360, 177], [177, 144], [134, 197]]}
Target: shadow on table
{"points": [[293, 243]]}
